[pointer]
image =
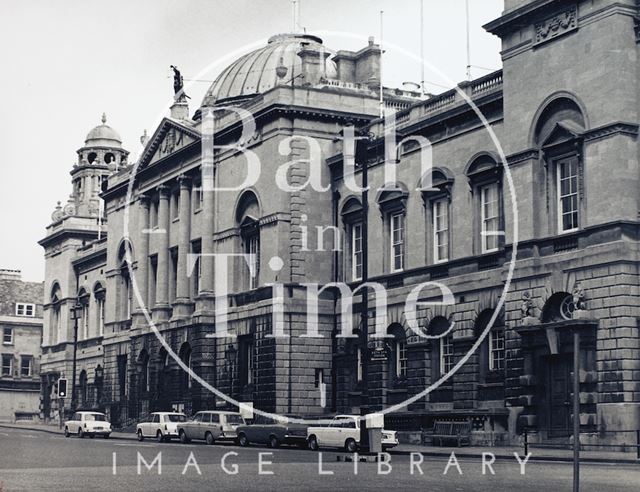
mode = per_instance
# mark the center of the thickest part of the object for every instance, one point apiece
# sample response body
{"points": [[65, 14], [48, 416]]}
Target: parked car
{"points": [[90, 424], [344, 432], [161, 425], [211, 426], [273, 433]]}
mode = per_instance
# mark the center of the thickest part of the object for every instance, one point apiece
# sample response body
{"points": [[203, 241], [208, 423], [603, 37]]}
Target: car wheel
{"points": [[80, 433], [66, 432], [313, 443], [140, 436], [159, 436], [106, 436], [243, 441], [183, 437], [92, 436], [350, 446], [273, 442], [209, 438]]}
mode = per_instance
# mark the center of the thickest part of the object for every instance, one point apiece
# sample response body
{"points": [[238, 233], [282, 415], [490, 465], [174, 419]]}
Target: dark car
{"points": [[273, 432]]}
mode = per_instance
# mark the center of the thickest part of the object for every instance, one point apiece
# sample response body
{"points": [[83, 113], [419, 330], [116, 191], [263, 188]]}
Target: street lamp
{"points": [[231, 355], [98, 379], [76, 312]]}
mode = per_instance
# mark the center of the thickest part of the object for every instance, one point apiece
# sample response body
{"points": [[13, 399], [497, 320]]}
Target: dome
{"points": [[103, 136], [255, 72]]}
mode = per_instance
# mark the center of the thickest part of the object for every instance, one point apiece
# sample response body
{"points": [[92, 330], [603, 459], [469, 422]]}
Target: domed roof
{"points": [[255, 72], [103, 136]]}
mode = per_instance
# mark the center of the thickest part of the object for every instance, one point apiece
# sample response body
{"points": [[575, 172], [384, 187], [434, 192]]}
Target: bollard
{"points": [[638, 444], [526, 442]]}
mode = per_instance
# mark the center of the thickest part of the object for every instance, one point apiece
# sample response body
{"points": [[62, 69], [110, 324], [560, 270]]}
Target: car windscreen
{"points": [[177, 418], [234, 419], [95, 416]]}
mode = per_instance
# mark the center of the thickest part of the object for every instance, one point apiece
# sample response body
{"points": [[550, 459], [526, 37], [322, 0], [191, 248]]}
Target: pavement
{"points": [[44, 459], [501, 452]]}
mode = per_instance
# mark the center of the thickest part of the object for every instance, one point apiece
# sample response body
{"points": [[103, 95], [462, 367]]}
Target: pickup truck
{"points": [[344, 432], [273, 433]]}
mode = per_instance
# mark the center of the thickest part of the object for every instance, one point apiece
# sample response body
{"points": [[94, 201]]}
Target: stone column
{"points": [[205, 301], [142, 271], [162, 308], [182, 307]]}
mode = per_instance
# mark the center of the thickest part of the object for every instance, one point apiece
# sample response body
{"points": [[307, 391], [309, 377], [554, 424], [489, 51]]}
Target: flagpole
{"points": [[381, 52], [468, 41]]}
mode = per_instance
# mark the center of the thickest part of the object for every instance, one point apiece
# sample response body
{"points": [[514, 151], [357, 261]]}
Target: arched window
{"points": [[83, 387], [492, 351], [354, 239], [99, 294], [392, 200], [56, 335], [485, 177], [83, 300], [398, 357], [442, 354], [247, 218], [196, 272], [437, 201], [125, 258], [559, 307], [164, 361], [558, 133], [144, 375], [185, 357]]}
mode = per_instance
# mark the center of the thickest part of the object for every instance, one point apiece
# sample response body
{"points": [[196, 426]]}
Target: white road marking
{"points": [[137, 445], [29, 436]]}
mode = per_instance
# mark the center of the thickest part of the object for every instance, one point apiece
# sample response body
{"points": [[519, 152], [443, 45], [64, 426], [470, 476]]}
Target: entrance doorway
{"points": [[559, 395]]}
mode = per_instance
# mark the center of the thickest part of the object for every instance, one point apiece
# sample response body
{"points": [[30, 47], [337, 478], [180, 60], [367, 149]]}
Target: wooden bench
{"points": [[447, 430]]}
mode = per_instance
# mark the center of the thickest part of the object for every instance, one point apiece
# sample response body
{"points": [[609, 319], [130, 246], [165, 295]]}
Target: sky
{"points": [[65, 62]]}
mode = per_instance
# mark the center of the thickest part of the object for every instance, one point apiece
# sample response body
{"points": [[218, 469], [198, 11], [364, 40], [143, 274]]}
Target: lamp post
{"points": [[231, 355], [76, 312], [98, 378]]}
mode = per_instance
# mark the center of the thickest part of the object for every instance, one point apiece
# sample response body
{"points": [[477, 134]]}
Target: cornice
{"points": [[60, 234], [523, 156], [505, 22], [616, 128]]}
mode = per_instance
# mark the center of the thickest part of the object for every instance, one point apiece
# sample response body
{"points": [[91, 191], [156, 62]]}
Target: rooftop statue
{"points": [[178, 84]]}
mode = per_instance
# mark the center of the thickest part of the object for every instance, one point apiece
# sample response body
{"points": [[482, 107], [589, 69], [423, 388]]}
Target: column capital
{"points": [[164, 191], [184, 181], [144, 199]]}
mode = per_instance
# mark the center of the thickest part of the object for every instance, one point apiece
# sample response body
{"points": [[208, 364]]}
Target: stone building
{"points": [[565, 149], [75, 260], [21, 329]]}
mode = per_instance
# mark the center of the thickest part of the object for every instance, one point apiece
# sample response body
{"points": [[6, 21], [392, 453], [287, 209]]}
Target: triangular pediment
{"points": [[169, 138], [563, 131]]}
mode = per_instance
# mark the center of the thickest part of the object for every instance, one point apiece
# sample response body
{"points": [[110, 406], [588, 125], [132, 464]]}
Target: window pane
{"points": [[7, 365], [440, 213], [496, 349], [397, 242], [568, 194], [356, 252], [490, 212], [446, 354]]}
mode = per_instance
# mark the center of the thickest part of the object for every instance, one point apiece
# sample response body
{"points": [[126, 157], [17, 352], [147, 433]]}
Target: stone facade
{"points": [[557, 146], [21, 330]]}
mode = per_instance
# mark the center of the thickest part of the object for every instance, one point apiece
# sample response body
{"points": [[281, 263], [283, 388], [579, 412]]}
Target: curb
{"points": [[558, 459], [441, 454], [59, 431]]}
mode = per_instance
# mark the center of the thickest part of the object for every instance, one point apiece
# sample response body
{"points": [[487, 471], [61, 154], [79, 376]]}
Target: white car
{"points": [[90, 424], [161, 425], [344, 432]]}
